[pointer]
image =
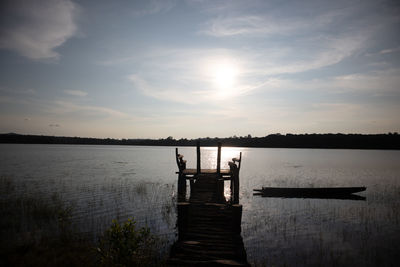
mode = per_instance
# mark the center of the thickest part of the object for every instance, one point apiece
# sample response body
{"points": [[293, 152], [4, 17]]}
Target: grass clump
{"points": [[37, 230], [126, 245]]}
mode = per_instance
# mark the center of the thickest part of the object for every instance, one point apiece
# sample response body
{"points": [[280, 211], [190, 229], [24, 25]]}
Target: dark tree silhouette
{"points": [[349, 141]]}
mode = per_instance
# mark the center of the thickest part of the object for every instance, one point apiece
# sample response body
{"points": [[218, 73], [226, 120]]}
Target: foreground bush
{"points": [[125, 245]]}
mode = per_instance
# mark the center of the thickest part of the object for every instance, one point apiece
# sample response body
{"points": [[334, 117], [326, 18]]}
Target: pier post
{"points": [[236, 187], [237, 218], [219, 158], [234, 183], [220, 181], [220, 189], [183, 217], [181, 177], [181, 187], [198, 157]]}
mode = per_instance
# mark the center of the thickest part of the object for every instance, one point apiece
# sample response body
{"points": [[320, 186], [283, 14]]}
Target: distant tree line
{"points": [[350, 141]]}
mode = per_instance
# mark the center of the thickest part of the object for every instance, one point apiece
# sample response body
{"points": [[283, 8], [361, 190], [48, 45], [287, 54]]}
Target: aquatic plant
{"points": [[37, 230], [125, 245]]}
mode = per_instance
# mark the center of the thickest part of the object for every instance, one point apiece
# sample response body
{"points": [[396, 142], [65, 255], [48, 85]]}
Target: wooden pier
{"points": [[209, 226]]}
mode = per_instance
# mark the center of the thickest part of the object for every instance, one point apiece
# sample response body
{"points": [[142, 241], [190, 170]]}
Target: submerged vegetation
{"points": [[37, 230], [125, 245], [57, 204], [323, 232]]}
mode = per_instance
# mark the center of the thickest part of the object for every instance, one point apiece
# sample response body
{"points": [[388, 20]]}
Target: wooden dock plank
{"points": [[205, 171], [209, 231]]}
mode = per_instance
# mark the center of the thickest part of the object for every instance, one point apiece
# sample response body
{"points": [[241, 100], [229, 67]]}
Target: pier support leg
{"points": [[235, 179], [181, 188], [220, 181], [183, 216], [237, 218], [219, 158], [220, 190], [191, 187], [198, 157]]}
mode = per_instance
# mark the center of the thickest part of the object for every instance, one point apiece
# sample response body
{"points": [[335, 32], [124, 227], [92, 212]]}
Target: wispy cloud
{"points": [[69, 107], [270, 23], [75, 93], [249, 25], [272, 45], [371, 83], [390, 50], [186, 75], [306, 56], [35, 29], [377, 82], [154, 6]]}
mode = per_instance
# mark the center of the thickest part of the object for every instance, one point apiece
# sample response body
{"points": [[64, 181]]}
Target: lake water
{"points": [[118, 182]]}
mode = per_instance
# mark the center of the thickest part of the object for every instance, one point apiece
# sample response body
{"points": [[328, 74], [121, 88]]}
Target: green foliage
{"points": [[124, 245]]}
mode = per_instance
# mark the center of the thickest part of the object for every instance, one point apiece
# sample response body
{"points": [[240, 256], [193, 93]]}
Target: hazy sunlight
{"points": [[223, 74]]}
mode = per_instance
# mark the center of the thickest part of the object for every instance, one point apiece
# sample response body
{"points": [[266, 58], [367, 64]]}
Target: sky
{"points": [[194, 68]]}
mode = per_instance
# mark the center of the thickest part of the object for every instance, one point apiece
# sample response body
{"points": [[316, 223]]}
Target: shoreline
{"points": [[390, 141]]}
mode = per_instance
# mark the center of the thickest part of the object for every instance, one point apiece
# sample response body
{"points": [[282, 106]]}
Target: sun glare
{"points": [[223, 74]]}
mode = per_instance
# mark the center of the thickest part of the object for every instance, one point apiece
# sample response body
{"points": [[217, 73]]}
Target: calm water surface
{"points": [[107, 182]]}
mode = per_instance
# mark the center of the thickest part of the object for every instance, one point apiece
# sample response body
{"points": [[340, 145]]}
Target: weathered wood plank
{"points": [[208, 231], [208, 226], [206, 171]]}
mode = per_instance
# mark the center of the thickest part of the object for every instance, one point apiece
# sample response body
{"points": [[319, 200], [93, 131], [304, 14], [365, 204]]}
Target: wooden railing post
{"points": [[235, 186], [181, 178], [234, 183], [219, 159], [220, 180], [198, 157], [181, 187], [240, 161]]}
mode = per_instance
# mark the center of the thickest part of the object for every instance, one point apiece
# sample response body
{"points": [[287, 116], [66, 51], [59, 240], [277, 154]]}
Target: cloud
{"points": [[154, 7], [184, 75], [178, 94], [379, 82], [271, 23], [249, 24], [390, 50], [35, 29], [371, 83], [17, 91], [307, 56], [63, 107], [187, 76], [75, 93], [302, 44], [56, 125]]}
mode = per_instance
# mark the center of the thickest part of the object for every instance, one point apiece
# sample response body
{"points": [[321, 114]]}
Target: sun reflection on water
{"points": [[209, 156], [209, 161]]}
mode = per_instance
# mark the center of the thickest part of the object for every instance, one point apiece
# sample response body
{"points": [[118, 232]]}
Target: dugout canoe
{"points": [[308, 192]]}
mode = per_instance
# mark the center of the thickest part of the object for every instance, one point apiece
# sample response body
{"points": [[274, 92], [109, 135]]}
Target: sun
{"points": [[224, 75]]}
